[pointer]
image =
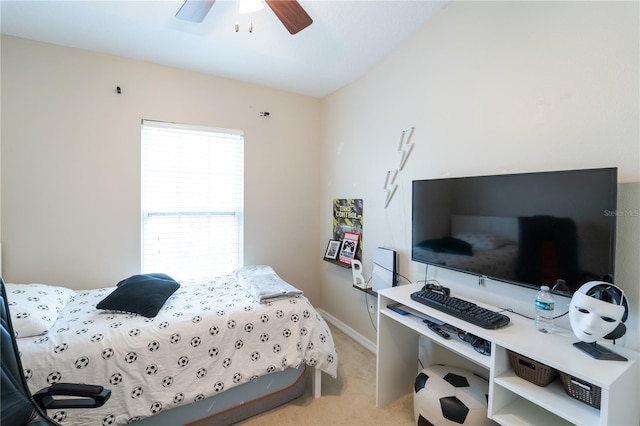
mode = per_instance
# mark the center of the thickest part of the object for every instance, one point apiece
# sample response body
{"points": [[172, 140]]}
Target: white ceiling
{"points": [[345, 40]]}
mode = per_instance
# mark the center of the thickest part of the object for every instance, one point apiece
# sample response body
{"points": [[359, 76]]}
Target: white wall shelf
{"points": [[512, 399]]}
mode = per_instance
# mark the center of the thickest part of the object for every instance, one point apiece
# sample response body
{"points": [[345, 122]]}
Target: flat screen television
{"points": [[529, 229]]}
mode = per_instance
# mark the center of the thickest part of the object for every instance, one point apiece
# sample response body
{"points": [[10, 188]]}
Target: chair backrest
{"points": [[18, 407]]}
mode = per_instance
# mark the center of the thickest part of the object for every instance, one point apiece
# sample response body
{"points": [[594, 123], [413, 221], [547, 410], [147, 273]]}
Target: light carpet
{"points": [[350, 399]]}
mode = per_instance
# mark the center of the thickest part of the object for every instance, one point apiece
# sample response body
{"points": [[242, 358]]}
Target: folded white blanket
{"points": [[264, 284]]}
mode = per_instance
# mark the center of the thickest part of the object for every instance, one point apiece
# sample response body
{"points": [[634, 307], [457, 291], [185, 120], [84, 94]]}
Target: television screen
{"points": [[529, 229]]}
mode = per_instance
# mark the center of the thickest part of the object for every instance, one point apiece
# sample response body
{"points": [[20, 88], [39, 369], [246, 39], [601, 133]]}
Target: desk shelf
{"points": [[553, 397], [512, 399], [453, 344]]}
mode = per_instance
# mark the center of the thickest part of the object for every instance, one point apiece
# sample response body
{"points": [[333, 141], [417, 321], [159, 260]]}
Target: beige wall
{"points": [[71, 163], [491, 87]]}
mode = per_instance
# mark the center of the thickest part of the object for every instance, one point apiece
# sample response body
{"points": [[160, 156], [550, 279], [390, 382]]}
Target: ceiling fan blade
{"points": [[194, 10], [291, 14]]}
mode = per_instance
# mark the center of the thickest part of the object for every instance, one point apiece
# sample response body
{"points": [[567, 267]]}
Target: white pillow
{"points": [[35, 307], [480, 241]]}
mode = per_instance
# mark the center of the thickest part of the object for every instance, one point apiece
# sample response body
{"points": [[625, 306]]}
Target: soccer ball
{"points": [[445, 395]]}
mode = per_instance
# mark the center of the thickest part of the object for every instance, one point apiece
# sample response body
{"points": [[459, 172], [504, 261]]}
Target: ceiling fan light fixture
{"points": [[289, 12], [249, 6]]}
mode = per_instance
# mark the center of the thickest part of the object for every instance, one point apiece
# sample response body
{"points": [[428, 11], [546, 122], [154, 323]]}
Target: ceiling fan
{"points": [[290, 13]]}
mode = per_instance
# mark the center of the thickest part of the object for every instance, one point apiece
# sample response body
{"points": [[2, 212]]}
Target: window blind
{"points": [[192, 200]]}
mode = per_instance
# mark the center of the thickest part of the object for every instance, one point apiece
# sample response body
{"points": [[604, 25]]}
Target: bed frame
{"points": [[243, 401]]}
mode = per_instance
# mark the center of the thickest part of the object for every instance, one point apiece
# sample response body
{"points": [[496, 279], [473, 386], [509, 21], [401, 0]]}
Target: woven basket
{"points": [[532, 371], [581, 390]]}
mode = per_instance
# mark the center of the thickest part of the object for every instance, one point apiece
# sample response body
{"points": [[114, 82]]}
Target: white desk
{"points": [[512, 400]]}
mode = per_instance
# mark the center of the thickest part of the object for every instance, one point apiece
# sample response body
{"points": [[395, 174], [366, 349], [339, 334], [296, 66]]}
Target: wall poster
{"points": [[347, 217]]}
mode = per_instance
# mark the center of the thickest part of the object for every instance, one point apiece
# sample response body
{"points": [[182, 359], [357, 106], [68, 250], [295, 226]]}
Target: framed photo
{"points": [[333, 248], [349, 247]]}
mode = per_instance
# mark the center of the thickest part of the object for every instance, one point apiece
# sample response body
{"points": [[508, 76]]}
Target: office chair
{"points": [[19, 407]]}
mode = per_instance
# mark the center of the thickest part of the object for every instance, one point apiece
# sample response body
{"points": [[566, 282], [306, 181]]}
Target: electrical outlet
{"points": [[372, 306]]}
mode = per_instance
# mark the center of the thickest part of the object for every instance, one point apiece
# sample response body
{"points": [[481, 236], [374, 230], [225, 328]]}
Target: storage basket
{"points": [[581, 390], [532, 371]]}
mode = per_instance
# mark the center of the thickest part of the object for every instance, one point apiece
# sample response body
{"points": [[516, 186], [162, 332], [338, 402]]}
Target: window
{"points": [[192, 200]]}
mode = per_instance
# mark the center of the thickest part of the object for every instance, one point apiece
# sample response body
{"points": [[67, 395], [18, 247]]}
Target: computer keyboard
{"points": [[465, 310]]}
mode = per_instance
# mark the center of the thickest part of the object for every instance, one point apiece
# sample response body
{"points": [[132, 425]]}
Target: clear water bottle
{"points": [[544, 310]]}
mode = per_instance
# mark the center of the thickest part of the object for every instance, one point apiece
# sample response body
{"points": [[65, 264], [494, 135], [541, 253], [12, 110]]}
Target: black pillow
{"points": [[145, 277], [140, 294], [448, 245], [431, 244], [456, 246]]}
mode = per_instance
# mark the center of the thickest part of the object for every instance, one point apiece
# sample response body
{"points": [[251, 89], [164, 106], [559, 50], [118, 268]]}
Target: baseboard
{"points": [[359, 338]]}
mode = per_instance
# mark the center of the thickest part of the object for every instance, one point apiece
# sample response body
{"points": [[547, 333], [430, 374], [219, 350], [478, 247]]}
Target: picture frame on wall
{"points": [[333, 248]]}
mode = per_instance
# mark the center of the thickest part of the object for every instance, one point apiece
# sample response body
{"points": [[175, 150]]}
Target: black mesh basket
{"points": [[532, 371], [581, 390]]}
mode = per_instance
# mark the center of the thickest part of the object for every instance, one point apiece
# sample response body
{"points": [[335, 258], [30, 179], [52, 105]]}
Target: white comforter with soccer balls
{"points": [[207, 338]]}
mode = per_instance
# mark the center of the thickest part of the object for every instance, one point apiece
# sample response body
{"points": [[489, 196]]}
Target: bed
{"points": [[207, 339], [486, 245]]}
